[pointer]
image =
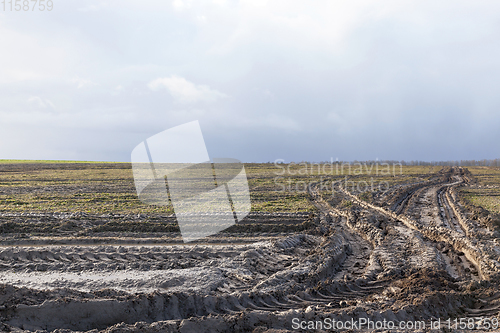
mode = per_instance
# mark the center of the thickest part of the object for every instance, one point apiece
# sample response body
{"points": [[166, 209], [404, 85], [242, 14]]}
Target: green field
{"points": [[100, 188], [7, 161], [487, 192]]}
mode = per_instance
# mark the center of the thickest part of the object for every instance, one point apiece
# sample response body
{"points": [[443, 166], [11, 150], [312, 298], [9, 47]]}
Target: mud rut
{"points": [[412, 255]]}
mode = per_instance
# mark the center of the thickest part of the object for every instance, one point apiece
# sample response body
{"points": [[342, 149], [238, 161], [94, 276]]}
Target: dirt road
{"points": [[411, 255]]}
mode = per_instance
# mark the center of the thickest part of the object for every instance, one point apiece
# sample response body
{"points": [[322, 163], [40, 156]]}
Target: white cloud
{"points": [[184, 91], [201, 18], [30, 58], [41, 103], [81, 83], [181, 4]]}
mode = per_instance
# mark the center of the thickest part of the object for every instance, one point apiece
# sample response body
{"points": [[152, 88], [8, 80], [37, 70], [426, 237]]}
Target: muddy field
{"points": [[414, 253]]}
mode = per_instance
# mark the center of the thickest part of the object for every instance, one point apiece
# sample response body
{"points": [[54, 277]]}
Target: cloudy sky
{"points": [[267, 80]]}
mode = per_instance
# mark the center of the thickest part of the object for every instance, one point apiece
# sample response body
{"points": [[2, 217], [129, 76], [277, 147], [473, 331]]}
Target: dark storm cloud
{"points": [[266, 79]]}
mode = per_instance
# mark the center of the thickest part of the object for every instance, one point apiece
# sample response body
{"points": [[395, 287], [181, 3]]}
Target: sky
{"points": [[267, 80]]}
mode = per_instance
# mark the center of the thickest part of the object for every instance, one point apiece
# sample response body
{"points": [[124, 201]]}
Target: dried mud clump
{"points": [[424, 281]]}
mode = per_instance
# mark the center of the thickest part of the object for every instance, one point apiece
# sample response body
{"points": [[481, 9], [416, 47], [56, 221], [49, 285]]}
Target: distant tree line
{"points": [[489, 163]]}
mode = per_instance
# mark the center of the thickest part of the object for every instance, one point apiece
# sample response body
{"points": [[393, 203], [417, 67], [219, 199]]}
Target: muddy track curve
{"points": [[464, 248]]}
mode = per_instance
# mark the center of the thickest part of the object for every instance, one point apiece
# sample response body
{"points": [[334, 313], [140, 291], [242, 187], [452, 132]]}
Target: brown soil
{"points": [[412, 254]]}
